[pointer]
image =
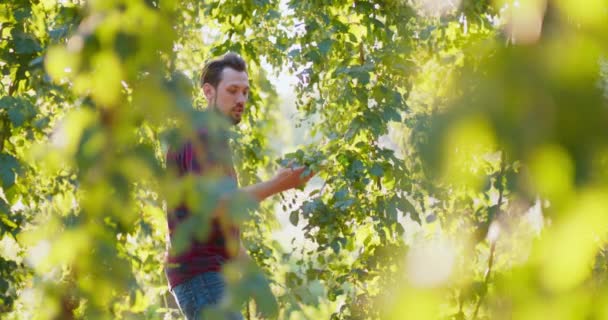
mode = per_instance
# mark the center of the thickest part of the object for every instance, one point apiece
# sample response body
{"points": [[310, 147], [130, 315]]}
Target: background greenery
{"points": [[461, 151]]}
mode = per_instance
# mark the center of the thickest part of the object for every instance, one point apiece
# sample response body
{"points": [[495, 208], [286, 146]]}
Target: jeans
{"points": [[203, 291]]}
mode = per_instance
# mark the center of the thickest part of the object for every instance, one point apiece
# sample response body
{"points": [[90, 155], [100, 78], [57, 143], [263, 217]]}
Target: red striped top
{"points": [[190, 253]]}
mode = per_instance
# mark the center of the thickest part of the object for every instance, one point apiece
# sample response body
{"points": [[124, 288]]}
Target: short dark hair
{"points": [[212, 71]]}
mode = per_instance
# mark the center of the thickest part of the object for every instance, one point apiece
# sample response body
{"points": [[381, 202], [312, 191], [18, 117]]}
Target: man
{"points": [[194, 271]]}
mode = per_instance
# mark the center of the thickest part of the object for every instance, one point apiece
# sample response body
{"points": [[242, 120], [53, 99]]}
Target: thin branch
{"points": [[5, 130], [486, 279]]}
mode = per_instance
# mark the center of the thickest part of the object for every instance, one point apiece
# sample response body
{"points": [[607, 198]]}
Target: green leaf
{"points": [[8, 168], [311, 25], [21, 114], [58, 33], [357, 166], [479, 288], [335, 245], [325, 46], [363, 77], [377, 23], [415, 217], [313, 55], [7, 222], [405, 205], [273, 14], [294, 218], [19, 109], [376, 170], [425, 34], [294, 53], [305, 173], [23, 13], [390, 114], [341, 194], [4, 207], [334, 293], [26, 44], [292, 279], [264, 299], [352, 130], [3, 285], [399, 229], [6, 102], [36, 62]]}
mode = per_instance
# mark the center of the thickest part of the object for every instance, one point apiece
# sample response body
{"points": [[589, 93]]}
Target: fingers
{"points": [[312, 174], [297, 170], [309, 175], [306, 176]]}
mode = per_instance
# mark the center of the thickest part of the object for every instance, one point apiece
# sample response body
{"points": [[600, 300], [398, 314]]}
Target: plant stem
{"points": [[486, 279]]}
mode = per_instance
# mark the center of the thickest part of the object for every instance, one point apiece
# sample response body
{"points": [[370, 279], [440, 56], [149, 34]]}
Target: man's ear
{"points": [[209, 92]]}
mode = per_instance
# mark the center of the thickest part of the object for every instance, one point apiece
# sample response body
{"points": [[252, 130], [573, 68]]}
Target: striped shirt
{"points": [[190, 253]]}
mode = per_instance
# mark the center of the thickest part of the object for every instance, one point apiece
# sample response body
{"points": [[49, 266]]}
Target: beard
{"points": [[236, 114], [233, 116]]}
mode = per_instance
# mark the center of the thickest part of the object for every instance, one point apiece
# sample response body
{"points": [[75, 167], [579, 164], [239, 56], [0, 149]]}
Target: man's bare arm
{"points": [[285, 179]]}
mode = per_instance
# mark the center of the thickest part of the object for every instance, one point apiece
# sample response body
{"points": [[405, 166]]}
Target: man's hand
{"points": [[285, 179], [291, 177]]}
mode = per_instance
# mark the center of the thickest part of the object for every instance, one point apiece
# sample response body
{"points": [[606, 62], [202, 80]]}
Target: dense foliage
{"points": [[460, 148]]}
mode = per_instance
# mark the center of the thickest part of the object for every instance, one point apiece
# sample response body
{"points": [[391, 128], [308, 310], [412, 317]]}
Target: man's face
{"points": [[230, 95]]}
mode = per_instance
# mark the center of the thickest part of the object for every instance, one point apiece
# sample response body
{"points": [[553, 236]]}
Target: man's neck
{"points": [[216, 111]]}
